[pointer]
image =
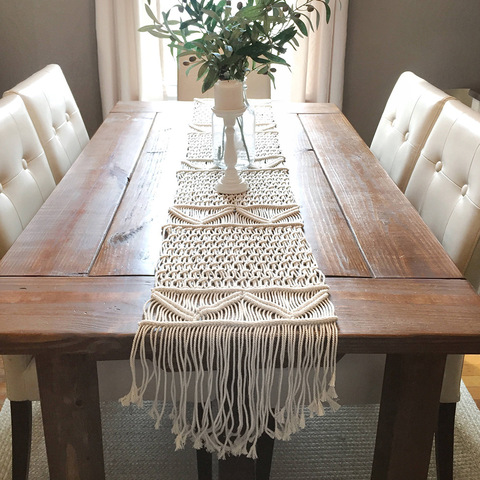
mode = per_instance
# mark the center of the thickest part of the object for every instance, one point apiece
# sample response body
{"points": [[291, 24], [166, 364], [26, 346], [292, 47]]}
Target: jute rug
{"points": [[334, 447]]}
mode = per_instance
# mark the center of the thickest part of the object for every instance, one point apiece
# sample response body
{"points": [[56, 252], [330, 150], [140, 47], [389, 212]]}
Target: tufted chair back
{"points": [[445, 186], [409, 115], [25, 177], [56, 117]]}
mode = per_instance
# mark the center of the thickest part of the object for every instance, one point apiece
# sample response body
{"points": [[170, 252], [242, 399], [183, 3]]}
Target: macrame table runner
{"points": [[240, 312]]}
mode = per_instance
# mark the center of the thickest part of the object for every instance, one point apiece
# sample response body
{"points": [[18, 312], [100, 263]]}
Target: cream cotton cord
{"points": [[240, 320]]}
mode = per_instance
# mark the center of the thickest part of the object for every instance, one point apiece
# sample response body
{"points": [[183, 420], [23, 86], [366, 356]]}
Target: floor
{"points": [[471, 378]]}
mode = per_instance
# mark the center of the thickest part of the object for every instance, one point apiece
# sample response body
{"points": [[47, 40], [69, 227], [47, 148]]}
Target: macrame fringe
{"points": [[235, 402]]}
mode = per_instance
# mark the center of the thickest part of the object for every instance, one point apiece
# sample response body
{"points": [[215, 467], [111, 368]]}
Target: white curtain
{"points": [[129, 62], [318, 64]]}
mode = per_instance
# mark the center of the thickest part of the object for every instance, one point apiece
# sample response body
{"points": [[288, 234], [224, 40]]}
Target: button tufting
{"points": [[464, 190], [407, 135], [67, 117], [54, 130], [24, 164], [1, 188], [438, 166]]}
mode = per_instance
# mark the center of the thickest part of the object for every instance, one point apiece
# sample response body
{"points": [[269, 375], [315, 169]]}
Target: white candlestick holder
{"points": [[231, 182]]}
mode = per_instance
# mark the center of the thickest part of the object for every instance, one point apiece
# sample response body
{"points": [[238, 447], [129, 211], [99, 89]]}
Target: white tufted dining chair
{"points": [[445, 189], [56, 117], [25, 183], [409, 115], [25, 177], [445, 186]]}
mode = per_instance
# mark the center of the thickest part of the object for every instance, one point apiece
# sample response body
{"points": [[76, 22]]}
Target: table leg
{"points": [[71, 416], [236, 468], [408, 416]]}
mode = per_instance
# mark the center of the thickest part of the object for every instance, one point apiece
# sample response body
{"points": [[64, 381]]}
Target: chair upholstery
{"points": [[25, 183], [25, 177], [409, 115], [445, 189], [445, 186], [56, 117]]}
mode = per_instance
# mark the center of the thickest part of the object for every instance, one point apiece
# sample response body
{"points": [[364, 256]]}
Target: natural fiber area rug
{"points": [[334, 447]]}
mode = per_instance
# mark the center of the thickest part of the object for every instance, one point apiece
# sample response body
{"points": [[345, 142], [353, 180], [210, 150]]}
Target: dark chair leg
{"points": [[444, 441], [21, 415], [204, 465], [265, 453], [204, 458]]}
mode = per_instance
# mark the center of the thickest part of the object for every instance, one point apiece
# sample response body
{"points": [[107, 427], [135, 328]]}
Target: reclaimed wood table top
{"points": [[76, 280]]}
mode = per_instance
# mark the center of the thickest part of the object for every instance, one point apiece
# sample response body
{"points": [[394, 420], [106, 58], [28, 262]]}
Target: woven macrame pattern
{"points": [[225, 256], [237, 295], [235, 215], [267, 187], [200, 145]]}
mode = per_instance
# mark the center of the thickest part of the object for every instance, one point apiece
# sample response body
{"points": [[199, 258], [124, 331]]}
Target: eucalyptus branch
{"points": [[226, 45]]}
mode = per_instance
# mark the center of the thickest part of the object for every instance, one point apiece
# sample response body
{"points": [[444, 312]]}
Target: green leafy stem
{"points": [[227, 45]]}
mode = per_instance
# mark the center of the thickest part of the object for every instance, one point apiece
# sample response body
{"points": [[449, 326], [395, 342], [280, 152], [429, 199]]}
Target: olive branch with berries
{"points": [[227, 45]]}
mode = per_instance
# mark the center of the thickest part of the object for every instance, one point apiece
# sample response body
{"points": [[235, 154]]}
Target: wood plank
{"points": [[66, 233], [96, 315], [133, 242], [405, 315], [100, 315], [170, 106], [71, 416], [155, 107], [333, 244], [305, 108], [395, 240], [405, 424]]}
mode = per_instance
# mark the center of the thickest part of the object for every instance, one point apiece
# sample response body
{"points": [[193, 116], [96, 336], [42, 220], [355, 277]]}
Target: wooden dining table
{"points": [[73, 286]]}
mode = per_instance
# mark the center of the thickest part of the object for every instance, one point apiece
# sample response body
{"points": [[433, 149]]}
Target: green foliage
{"points": [[228, 44]]}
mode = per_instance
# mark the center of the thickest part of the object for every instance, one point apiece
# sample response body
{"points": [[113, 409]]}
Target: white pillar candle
{"points": [[228, 95]]}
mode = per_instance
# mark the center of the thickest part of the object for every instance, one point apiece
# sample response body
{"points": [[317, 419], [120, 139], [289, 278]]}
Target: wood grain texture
{"points": [[378, 315], [393, 237], [280, 107], [406, 425], [132, 244], [96, 315], [100, 315], [66, 233], [173, 107], [328, 234], [305, 108], [73, 427]]}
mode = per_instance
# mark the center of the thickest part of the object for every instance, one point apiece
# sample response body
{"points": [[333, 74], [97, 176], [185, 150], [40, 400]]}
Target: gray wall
{"points": [[439, 40], [34, 33]]}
